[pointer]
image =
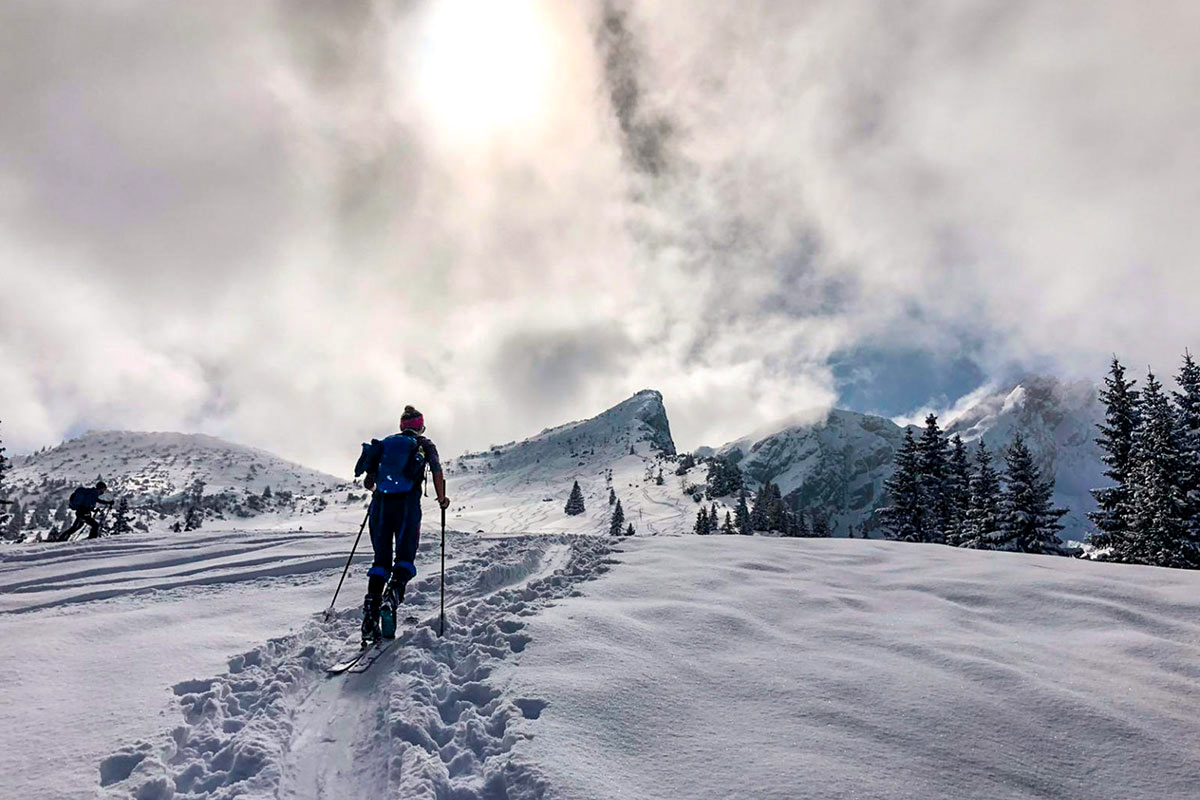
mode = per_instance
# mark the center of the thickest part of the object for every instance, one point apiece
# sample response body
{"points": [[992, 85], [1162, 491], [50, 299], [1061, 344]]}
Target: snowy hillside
{"points": [[589, 668], [145, 465], [523, 486], [151, 471]]}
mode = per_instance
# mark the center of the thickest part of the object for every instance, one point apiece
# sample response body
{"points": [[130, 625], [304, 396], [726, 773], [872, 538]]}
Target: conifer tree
{"points": [[758, 511], [776, 512], [820, 525], [727, 526], [742, 513], [41, 514], [801, 525], [712, 517], [575, 505], [629, 531], [612, 496], [17, 521], [724, 477], [1157, 531], [903, 519], [618, 520], [1187, 413], [933, 469], [701, 528], [658, 480], [958, 490], [983, 509], [266, 495], [1029, 522], [121, 518], [1121, 412]]}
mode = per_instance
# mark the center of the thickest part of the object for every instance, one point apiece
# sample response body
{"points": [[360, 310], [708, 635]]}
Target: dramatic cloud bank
{"points": [[281, 222]]}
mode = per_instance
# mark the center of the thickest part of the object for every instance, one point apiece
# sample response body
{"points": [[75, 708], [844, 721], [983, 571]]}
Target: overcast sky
{"points": [[279, 222]]}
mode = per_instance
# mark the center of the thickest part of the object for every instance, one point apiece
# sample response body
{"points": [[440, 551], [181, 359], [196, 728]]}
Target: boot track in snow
{"points": [[427, 721]]}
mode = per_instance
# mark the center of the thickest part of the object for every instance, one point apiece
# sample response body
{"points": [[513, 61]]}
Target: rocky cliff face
{"points": [[836, 466], [1058, 420]]}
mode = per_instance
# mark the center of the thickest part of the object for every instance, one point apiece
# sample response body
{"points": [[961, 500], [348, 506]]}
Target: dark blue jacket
{"points": [[88, 498]]}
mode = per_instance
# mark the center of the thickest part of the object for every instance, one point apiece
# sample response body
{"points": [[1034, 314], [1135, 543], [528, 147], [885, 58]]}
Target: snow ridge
{"points": [[429, 720], [149, 464]]}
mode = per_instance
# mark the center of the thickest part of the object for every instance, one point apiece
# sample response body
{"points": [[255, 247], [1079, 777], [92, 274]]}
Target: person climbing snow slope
{"points": [[83, 502], [395, 469]]}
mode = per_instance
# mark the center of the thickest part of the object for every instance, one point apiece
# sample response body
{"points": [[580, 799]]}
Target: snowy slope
{"points": [[523, 486], [190, 667], [787, 668], [145, 465], [151, 471]]}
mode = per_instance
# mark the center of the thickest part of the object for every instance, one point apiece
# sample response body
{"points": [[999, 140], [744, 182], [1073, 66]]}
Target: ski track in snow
{"points": [[426, 721], [114, 568]]}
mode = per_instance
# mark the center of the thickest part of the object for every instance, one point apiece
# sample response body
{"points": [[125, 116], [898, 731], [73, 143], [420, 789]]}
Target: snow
{"points": [[145, 464], [577, 665], [191, 666], [778, 668], [95, 633], [523, 486]]}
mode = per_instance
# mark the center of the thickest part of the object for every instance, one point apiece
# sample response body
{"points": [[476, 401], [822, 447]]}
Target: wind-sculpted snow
{"points": [[429, 720], [730, 666], [40, 577]]}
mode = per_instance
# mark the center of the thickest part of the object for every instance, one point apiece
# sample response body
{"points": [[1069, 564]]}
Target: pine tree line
{"points": [[769, 514], [1151, 443], [939, 494]]}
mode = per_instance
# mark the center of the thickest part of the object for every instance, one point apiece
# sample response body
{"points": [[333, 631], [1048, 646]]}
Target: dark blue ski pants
{"points": [[395, 534]]}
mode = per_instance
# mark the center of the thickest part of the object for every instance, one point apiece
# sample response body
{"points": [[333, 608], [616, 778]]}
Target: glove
{"points": [[369, 482], [444, 502]]}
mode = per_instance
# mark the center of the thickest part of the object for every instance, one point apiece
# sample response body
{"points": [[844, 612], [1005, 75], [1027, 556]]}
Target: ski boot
{"points": [[370, 623], [393, 596]]}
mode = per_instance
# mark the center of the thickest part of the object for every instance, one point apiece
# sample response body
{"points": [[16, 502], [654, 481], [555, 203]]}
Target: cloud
{"points": [[260, 222]]}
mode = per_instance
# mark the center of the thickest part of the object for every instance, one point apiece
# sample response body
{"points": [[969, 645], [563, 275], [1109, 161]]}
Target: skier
{"points": [[395, 469], [83, 500]]}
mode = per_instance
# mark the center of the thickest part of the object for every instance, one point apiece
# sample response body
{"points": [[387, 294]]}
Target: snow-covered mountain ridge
{"points": [[150, 464], [838, 466], [153, 470], [835, 467], [523, 486]]}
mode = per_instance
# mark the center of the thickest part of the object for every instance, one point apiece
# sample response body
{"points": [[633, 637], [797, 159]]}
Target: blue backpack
{"points": [[398, 463], [76, 498]]}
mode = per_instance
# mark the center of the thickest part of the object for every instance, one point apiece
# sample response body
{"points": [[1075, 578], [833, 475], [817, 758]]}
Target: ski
{"points": [[372, 655], [349, 663], [366, 656]]}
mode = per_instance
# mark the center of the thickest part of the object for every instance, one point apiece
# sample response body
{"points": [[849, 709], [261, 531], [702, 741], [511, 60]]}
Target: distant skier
{"points": [[395, 469], [83, 501]]}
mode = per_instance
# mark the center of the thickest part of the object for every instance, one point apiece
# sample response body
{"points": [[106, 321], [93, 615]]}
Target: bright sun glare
{"points": [[484, 64]]}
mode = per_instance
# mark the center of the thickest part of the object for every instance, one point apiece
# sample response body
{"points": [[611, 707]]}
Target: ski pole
{"points": [[442, 629], [361, 528]]}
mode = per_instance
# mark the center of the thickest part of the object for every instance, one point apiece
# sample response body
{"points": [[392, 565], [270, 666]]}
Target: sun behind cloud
{"points": [[484, 65]]}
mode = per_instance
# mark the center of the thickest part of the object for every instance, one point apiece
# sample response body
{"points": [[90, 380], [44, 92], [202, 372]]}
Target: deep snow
{"points": [[596, 667], [797, 668]]}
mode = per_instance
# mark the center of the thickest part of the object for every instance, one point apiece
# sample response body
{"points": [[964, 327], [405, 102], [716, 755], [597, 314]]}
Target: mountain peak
{"points": [[647, 408]]}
